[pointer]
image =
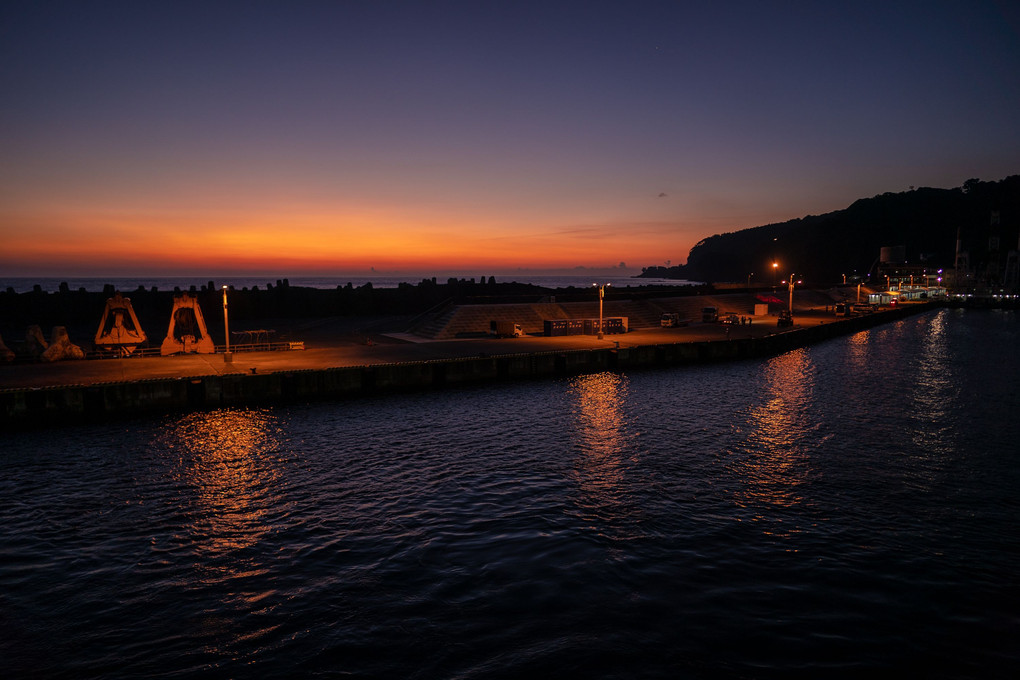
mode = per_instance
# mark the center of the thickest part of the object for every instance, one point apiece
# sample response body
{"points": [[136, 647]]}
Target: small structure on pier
{"points": [[187, 332], [119, 330]]}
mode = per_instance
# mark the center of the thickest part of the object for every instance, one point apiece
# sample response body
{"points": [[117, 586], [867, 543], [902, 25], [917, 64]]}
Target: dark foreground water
{"points": [[830, 512]]}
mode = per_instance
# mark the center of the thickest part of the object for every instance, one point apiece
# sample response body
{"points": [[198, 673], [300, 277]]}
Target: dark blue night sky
{"points": [[462, 134]]}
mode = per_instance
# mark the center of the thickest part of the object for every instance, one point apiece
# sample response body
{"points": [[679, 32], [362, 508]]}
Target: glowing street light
{"points": [[775, 265], [791, 284], [227, 356], [602, 294]]}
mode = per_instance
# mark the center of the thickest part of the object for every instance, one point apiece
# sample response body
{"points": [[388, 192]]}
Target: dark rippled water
{"points": [[838, 510]]}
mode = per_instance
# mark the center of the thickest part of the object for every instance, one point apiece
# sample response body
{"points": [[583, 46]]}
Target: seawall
{"points": [[69, 404]]}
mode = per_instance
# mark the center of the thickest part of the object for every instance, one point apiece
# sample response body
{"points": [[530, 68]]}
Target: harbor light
{"points": [[791, 284], [602, 294], [227, 356]]}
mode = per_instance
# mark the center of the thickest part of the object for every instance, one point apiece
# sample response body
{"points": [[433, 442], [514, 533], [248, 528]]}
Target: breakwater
{"points": [[48, 406]]}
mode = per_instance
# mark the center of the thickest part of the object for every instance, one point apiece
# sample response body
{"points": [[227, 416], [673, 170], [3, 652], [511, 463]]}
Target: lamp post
{"points": [[749, 280], [602, 294], [792, 282], [227, 356], [775, 265]]}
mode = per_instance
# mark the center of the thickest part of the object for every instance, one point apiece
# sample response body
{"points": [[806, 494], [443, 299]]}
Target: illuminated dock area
{"points": [[34, 395]]}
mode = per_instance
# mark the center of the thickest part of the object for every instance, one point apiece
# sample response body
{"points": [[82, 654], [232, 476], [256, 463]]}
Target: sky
{"points": [[485, 137]]}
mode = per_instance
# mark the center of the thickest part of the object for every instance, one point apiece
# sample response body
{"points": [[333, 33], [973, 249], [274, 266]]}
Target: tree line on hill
{"points": [[823, 248]]}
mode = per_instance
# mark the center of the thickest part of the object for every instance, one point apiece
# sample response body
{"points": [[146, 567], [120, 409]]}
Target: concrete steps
{"points": [[432, 325]]}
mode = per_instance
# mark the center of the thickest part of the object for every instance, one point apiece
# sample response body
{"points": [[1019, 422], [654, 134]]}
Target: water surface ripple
{"points": [[834, 511]]}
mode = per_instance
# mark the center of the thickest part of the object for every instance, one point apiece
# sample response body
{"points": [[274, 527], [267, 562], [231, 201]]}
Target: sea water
{"points": [[839, 510]]}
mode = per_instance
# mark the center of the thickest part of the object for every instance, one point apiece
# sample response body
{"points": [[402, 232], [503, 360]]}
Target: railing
{"points": [[279, 346], [263, 347]]}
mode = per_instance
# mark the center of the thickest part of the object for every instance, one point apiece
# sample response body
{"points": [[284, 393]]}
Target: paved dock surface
{"points": [[325, 350]]}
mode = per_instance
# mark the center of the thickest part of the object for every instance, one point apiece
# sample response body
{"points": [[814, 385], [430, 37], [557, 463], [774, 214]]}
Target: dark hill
{"points": [[822, 248]]}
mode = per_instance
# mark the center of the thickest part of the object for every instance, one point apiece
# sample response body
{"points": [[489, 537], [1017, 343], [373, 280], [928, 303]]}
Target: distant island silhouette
{"points": [[821, 248]]}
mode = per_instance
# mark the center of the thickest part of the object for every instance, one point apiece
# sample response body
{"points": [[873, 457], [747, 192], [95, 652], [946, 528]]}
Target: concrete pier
{"points": [[98, 391]]}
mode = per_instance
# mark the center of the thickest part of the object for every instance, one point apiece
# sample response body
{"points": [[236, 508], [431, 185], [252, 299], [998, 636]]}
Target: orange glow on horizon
{"points": [[283, 241]]}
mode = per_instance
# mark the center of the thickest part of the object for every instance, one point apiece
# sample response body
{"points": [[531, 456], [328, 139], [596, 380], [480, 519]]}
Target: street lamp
{"points": [[602, 294], [775, 265], [792, 282], [749, 280], [227, 356]]}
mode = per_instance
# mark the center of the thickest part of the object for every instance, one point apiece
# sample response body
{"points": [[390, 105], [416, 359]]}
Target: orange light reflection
{"points": [[859, 346], [229, 462], [775, 464], [601, 437]]}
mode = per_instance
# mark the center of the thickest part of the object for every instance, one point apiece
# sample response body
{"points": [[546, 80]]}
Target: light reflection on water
{"points": [[858, 351], [604, 454], [599, 425], [934, 395], [843, 508], [774, 458], [228, 477], [229, 465]]}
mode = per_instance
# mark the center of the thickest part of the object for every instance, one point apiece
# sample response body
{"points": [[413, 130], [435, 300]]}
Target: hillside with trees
{"points": [[824, 248]]}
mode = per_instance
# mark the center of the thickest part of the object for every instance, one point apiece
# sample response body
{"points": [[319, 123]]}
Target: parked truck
{"points": [[505, 329], [709, 314], [672, 320]]}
